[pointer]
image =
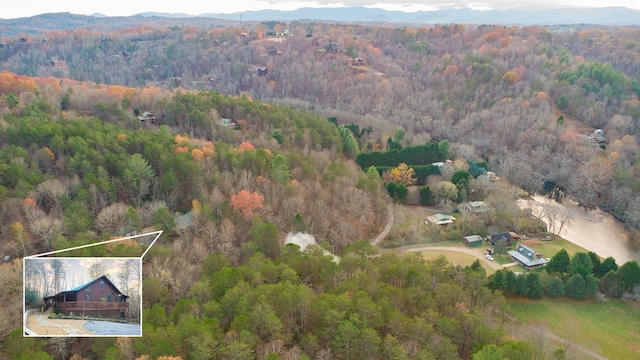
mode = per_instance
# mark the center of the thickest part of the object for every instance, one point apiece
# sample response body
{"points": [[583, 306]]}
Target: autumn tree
{"points": [[247, 203], [402, 174]]}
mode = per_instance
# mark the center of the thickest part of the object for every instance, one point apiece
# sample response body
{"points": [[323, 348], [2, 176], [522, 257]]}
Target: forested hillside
{"points": [[254, 132], [521, 98], [226, 286]]}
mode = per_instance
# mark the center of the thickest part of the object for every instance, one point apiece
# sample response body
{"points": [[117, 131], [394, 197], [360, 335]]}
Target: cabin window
{"points": [[108, 298], [101, 284], [103, 298], [87, 296]]}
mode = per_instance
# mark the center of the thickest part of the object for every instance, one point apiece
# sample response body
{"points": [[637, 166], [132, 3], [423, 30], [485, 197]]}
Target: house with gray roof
{"points": [[527, 257], [441, 219]]}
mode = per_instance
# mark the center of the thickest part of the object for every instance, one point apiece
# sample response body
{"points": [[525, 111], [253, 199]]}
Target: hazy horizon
{"points": [[193, 8]]}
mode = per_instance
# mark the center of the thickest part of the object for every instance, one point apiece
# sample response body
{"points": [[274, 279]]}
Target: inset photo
{"points": [[82, 297]]}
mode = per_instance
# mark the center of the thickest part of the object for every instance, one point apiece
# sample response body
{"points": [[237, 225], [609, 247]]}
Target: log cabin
{"points": [[98, 298]]}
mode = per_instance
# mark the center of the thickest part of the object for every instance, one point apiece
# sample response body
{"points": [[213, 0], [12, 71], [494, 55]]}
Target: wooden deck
{"points": [[93, 308]]}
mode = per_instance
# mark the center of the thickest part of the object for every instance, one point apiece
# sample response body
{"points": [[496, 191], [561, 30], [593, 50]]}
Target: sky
{"points": [[196, 7], [77, 270]]}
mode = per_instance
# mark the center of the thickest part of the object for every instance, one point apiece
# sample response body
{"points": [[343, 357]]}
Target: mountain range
{"points": [[601, 16], [561, 16]]}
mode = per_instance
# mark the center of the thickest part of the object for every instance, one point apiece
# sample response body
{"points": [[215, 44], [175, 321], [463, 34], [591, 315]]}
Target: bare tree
{"points": [[46, 229], [59, 274], [48, 194], [96, 269], [111, 218]]}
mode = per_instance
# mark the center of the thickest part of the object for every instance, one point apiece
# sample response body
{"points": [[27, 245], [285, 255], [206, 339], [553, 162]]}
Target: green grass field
{"points": [[550, 248], [611, 329], [457, 258]]}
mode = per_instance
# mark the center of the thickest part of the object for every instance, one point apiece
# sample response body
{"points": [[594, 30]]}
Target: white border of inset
{"points": [[159, 232], [28, 333]]}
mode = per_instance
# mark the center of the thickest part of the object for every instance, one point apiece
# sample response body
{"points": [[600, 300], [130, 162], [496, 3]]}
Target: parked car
{"points": [[489, 257]]}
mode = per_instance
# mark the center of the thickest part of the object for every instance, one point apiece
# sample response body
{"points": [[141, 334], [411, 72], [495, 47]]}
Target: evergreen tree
{"points": [[500, 247], [522, 287], [534, 286], [595, 261], [607, 265], [555, 288], [581, 264], [426, 198], [559, 263], [575, 287], [629, 275], [610, 284], [299, 225], [280, 169], [590, 286], [498, 280], [511, 283]]}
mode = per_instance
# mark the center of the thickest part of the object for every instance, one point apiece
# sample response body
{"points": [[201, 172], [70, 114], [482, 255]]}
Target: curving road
{"points": [[387, 227]]}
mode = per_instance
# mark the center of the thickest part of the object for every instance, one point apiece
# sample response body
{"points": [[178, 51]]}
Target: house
{"points": [[476, 207], [263, 71], [357, 62], [472, 240], [228, 123], [332, 48], [441, 219], [507, 237], [147, 116], [98, 298], [527, 257]]}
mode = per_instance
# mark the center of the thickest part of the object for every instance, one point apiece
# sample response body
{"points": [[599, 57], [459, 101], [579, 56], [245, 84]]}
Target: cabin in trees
{"points": [[596, 138], [476, 207], [97, 298], [509, 238], [441, 219], [357, 62], [147, 117], [528, 257], [263, 71]]}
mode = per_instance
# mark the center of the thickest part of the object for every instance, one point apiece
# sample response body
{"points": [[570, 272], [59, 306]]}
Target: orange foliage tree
{"points": [[247, 203], [246, 146]]}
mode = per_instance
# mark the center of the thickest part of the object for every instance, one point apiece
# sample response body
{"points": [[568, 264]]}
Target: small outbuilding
{"points": [[472, 240], [509, 238], [476, 207]]}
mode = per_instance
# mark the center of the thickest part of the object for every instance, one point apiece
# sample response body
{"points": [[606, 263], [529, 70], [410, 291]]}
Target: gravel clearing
{"points": [[113, 328], [41, 325]]}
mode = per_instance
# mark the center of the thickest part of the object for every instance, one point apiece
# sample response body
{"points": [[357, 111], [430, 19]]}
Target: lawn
{"points": [[611, 329], [550, 248], [457, 258]]}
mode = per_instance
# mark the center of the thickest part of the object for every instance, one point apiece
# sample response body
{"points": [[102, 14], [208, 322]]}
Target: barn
{"points": [[472, 240]]}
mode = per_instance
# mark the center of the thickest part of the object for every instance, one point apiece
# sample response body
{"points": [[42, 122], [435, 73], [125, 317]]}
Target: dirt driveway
{"points": [[42, 325]]}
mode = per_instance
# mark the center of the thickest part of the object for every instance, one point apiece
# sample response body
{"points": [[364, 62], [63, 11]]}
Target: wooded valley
{"points": [[258, 130]]}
